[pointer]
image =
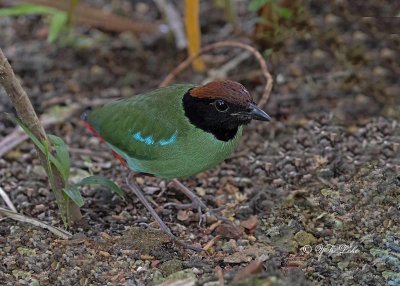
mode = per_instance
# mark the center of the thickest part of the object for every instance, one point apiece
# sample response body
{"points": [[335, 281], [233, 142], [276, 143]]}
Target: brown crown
{"points": [[228, 90]]}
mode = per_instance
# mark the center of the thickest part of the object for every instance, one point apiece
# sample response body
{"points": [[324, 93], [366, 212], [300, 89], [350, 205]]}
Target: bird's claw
{"points": [[196, 203], [200, 207]]}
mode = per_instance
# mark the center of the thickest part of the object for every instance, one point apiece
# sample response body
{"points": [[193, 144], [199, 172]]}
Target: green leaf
{"points": [[62, 154], [58, 22], [48, 161], [256, 5], [38, 144], [284, 12], [75, 195], [102, 181], [26, 9], [267, 53]]}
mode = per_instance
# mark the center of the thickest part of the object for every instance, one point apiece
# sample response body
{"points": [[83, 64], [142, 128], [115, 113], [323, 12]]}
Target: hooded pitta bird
{"points": [[176, 131]]}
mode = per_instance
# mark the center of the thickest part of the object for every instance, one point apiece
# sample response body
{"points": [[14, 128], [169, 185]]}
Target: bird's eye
{"points": [[221, 106]]}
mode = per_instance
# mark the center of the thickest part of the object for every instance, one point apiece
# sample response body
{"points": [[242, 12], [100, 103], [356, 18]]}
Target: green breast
{"points": [[192, 153]]}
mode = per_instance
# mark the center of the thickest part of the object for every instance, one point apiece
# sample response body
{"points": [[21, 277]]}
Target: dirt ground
{"points": [[315, 193]]}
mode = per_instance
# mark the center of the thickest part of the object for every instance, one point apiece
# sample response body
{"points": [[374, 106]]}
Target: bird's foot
{"points": [[163, 227], [202, 210], [197, 204]]}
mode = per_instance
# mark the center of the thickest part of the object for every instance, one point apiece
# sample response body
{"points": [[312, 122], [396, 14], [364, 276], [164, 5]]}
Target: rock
{"points": [[200, 191], [143, 240], [238, 257], [39, 171], [211, 283], [252, 269], [227, 247], [183, 215], [250, 223], [26, 251], [21, 274], [343, 264], [248, 254], [157, 277], [228, 231], [77, 175], [183, 274], [15, 155], [329, 193], [171, 266], [104, 253], [181, 278], [304, 238]]}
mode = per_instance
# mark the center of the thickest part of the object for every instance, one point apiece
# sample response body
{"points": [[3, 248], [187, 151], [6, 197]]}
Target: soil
{"points": [[314, 193]]}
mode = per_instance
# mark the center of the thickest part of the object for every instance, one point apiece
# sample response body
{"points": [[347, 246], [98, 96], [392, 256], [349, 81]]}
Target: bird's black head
{"points": [[220, 107]]}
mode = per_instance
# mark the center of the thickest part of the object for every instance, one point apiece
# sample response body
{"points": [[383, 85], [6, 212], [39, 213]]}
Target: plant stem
{"points": [[27, 114]]}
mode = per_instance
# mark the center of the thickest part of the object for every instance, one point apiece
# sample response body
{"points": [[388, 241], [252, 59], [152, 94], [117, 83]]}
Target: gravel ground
{"points": [[314, 194]]}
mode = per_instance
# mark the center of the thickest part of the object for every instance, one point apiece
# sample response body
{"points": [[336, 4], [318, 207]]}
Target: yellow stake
{"points": [[193, 32]]}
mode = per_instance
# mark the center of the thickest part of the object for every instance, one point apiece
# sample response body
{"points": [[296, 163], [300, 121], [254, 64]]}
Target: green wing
{"points": [[142, 125]]}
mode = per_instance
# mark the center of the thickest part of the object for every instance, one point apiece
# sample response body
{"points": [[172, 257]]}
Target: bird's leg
{"points": [[138, 192], [196, 203]]}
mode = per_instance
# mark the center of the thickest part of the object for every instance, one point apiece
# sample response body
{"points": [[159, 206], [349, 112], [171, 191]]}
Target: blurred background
{"points": [[325, 170]]}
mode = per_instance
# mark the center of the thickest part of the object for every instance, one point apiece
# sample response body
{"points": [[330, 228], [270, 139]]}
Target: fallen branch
{"points": [[7, 200], [86, 14], [16, 137], [47, 120], [174, 21], [224, 44], [19, 217]]}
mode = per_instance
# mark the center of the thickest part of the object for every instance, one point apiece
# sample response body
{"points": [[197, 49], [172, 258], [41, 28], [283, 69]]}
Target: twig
{"points": [[7, 200], [223, 71], [268, 86], [174, 22], [28, 116], [19, 217], [211, 243]]}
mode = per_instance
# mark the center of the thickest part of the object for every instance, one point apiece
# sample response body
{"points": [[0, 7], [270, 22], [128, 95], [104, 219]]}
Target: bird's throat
{"points": [[222, 134], [199, 114]]}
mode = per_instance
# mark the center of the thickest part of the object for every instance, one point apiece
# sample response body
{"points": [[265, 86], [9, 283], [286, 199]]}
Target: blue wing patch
{"points": [[168, 141], [149, 140]]}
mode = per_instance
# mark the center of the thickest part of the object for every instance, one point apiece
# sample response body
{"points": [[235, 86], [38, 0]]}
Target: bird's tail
{"points": [[85, 114], [85, 121]]}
